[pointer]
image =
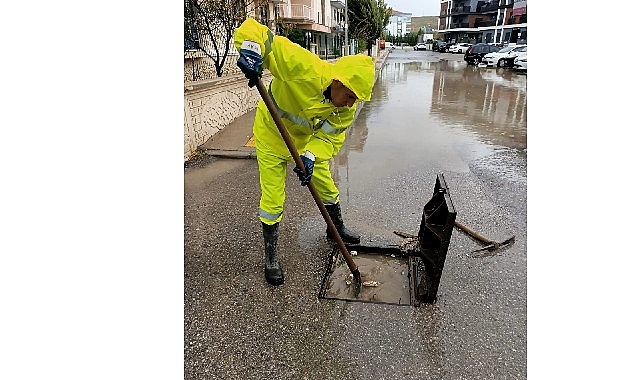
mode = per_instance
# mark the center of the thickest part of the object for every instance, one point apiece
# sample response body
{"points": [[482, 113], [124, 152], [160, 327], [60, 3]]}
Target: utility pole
{"points": [[275, 18], [346, 29]]}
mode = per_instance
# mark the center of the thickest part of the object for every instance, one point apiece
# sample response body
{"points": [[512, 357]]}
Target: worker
{"points": [[317, 102]]}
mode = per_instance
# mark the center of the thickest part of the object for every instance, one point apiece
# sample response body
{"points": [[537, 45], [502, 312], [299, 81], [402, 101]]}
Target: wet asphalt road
{"points": [[430, 113]]}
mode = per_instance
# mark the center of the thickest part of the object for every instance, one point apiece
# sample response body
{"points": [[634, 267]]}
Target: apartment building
{"points": [[493, 21], [399, 24], [322, 20]]}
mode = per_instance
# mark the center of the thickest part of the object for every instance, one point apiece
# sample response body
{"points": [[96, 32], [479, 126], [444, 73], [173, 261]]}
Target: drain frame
{"points": [[425, 254], [394, 253]]}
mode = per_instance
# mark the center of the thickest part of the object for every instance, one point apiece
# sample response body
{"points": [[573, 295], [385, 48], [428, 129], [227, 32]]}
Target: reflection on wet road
{"points": [[421, 109], [430, 115]]}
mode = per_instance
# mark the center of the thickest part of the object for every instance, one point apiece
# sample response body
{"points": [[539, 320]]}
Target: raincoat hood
{"points": [[356, 72]]}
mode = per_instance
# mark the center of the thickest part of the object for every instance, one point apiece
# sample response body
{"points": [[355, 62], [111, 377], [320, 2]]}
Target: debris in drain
{"points": [[409, 273], [354, 253]]}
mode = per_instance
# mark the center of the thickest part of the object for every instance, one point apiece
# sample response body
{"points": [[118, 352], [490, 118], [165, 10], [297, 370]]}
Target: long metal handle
{"points": [[312, 189]]}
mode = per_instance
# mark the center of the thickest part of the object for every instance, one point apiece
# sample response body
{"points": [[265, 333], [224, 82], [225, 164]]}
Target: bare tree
{"points": [[210, 26]]}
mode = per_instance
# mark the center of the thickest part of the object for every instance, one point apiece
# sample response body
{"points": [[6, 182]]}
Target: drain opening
{"points": [[404, 275]]}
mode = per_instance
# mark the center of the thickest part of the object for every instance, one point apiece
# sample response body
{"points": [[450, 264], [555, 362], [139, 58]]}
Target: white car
{"points": [[504, 57], [459, 48], [520, 63], [420, 46]]}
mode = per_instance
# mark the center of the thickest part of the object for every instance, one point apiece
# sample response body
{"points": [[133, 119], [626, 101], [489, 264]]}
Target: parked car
{"points": [[420, 46], [437, 44], [447, 46], [475, 53], [509, 59], [520, 62], [459, 48], [500, 58]]}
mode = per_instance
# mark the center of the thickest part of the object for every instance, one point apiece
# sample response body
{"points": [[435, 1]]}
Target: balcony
{"points": [[480, 24], [296, 13], [338, 4], [460, 25], [459, 10], [484, 7], [517, 19], [305, 16]]}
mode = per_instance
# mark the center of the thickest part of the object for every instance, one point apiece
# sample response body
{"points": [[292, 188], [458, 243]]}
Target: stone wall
{"points": [[200, 67], [212, 104]]}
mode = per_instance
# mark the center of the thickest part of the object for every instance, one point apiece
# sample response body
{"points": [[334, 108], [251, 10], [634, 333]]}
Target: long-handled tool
{"points": [[491, 245], [357, 282], [411, 242]]}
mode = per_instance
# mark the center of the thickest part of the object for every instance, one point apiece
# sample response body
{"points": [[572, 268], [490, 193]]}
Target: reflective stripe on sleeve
{"points": [[268, 43], [327, 128], [289, 116]]}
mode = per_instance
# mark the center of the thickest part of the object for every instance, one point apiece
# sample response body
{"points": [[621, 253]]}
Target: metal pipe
{"points": [[346, 29]]}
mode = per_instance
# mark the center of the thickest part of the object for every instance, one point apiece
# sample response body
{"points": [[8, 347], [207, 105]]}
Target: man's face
{"points": [[341, 95]]}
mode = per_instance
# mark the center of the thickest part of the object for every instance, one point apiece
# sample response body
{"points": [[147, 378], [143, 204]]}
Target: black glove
{"points": [[308, 159], [250, 61]]}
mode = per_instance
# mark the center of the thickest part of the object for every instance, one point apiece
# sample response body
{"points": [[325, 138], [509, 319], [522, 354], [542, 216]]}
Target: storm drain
{"points": [[405, 275], [386, 277]]}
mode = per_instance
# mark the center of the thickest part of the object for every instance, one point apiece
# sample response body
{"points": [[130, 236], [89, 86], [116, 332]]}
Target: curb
{"points": [[231, 153]]}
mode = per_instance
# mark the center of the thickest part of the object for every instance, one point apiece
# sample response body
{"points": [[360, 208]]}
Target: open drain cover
{"points": [[385, 278], [405, 275]]}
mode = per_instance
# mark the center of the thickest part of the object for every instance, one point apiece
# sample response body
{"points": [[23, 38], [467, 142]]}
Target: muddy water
{"points": [[385, 279]]}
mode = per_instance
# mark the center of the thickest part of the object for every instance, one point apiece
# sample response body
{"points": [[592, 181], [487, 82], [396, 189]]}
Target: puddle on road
{"points": [[444, 113], [426, 117]]}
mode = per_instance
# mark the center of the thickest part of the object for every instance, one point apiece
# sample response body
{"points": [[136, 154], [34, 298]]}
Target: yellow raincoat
{"points": [[313, 122]]}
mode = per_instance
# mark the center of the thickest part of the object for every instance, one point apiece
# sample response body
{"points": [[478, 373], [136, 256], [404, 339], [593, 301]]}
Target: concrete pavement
{"points": [[235, 140]]}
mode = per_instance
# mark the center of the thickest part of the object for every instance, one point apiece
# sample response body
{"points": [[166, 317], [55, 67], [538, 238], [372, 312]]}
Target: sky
{"points": [[416, 7]]}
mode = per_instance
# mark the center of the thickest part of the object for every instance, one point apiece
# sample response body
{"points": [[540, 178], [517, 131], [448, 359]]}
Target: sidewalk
{"points": [[236, 139]]}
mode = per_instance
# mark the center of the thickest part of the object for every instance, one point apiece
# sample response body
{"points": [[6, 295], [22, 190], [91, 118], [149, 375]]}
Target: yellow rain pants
{"points": [[313, 122]]}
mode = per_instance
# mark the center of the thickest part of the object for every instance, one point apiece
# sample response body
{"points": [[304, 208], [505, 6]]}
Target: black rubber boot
{"points": [[348, 236], [273, 272]]}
